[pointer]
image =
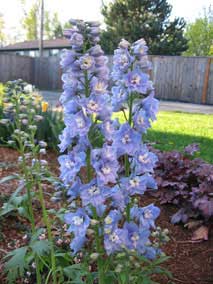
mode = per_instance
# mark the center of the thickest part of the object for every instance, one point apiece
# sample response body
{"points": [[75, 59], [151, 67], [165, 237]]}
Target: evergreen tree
{"points": [[148, 19]]}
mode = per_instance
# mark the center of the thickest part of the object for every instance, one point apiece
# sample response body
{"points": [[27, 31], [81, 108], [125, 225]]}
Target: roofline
{"points": [[33, 48]]}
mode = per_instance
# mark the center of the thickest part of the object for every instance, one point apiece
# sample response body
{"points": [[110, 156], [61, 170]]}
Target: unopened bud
{"points": [[90, 232], [94, 222], [94, 256]]}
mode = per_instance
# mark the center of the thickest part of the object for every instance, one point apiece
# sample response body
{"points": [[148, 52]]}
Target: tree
{"points": [[31, 22], [52, 26], [200, 35], [2, 35], [148, 19]]}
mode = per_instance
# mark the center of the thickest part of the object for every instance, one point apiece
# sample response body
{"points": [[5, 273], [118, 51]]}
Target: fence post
{"points": [[206, 81]]}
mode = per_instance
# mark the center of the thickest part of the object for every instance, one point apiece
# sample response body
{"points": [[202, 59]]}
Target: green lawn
{"points": [[175, 130]]}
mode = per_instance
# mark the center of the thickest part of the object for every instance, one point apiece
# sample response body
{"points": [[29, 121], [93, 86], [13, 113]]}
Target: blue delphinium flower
{"points": [[114, 241], [111, 221], [118, 172], [74, 190], [144, 161], [78, 221], [70, 165], [137, 184], [141, 121], [126, 140], [93, 194], [145, 215], [137, 81]]}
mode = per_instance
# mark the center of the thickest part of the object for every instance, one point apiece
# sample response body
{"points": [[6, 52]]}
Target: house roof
{"points": [[58, 43]]}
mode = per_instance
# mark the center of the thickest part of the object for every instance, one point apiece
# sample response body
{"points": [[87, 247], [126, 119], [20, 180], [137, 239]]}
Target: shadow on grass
{"points": [[168, 141]]}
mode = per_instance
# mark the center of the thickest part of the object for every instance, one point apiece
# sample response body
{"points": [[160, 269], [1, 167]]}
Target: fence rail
{"points": [[187, 79]]}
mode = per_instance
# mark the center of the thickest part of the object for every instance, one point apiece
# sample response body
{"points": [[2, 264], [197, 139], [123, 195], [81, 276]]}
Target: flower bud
{"points": [[90, 232], [32, 127], [38, 118], [94, 222], [42, 151], [11, 142], [94, 256], [24, 121], [4, 121], [118, 268], [42, 144]]}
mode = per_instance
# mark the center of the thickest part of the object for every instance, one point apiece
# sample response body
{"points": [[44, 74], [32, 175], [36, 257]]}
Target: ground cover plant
{"points": [[188, 184]]}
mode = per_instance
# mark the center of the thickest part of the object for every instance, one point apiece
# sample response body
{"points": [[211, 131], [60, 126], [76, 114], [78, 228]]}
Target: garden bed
{"points": [[190, 263]]}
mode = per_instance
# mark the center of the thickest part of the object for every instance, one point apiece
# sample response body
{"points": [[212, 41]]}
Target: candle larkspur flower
{"points": [[118, 171]]}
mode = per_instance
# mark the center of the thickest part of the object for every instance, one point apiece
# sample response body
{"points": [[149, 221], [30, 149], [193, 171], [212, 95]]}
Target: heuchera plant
{"points": [[186, 183], [104, 184]]}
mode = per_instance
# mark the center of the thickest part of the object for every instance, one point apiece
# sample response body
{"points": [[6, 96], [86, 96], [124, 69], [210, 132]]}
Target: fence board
{"points": [[176, 78]]}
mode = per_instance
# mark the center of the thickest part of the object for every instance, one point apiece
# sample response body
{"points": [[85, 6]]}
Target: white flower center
{"points": [[94, 190], [108, 220], [92, 105], [69, 164], [134, 182], [87, 62], [143, 158], [140, 120], [135, 80], [114, 237], [135, 237], [80, 122], [126, 139], [148, 214], [106, 170], [77, 221], [141, 50], [108, 126], [99, 87], [123, 59]]}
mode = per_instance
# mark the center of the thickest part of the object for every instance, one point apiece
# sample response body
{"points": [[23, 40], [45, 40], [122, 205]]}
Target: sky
{"points": [[12, 11]]}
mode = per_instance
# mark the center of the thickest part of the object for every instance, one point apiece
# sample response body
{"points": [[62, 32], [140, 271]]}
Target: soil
{"points": [[190, 262]]}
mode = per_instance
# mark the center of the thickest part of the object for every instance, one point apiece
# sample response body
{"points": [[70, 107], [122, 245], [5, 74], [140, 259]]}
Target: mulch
{"points": [[190, 262]]}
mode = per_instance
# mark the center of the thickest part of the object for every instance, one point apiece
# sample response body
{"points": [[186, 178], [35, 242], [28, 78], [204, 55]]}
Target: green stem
{"points": [[126, 158], [86, 84], [49, 233], [89, 172], [27, 178], [98, 241]]}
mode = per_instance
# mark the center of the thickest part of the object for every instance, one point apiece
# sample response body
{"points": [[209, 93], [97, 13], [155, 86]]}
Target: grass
{"points": [[175, 130]]}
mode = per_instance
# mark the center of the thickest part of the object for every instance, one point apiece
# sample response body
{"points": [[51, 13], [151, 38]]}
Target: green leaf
{"points": [[161, 259], [8, 178], [7, 208], [16, 265], [75, 272], [40, 247]]}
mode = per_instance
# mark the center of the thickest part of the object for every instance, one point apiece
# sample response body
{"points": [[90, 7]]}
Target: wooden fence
{"points": [[187, 79]]}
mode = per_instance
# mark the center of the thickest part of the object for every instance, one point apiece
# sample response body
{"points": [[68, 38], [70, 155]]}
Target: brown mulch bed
{"points": [[190, 263]]}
